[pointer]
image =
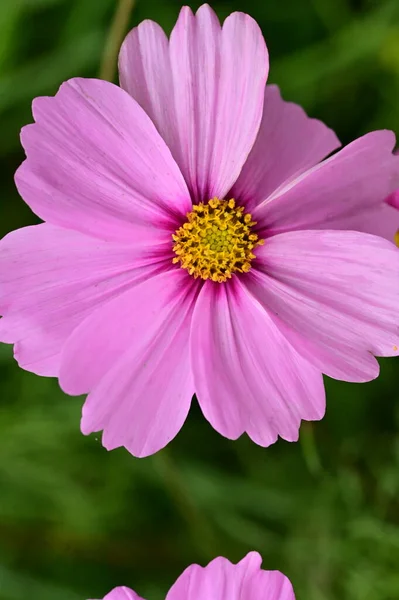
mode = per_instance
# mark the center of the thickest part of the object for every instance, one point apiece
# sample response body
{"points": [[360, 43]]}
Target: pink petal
{"points": [[132, 356], [95, 163], [122, 593], [242, 382], [355, 179], [288, 143], [145, 72], [204, 92], [222, 580], [52, 278], [336, 296]]}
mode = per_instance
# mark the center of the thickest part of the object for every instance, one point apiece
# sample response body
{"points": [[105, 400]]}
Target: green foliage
{"points": [[76, 520]]}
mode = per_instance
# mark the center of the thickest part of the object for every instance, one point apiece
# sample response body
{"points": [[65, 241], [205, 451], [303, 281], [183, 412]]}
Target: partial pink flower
{"points": [[393, 199], [222, 580], [196, 241], [391, 219], [122, 593], [381, 220]]}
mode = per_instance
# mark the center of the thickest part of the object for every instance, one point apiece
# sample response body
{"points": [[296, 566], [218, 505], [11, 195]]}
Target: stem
{"points": [[177, 490], [113, 43], [309, 449]]}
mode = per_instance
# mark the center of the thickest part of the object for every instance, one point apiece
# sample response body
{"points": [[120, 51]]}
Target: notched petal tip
{"points": [[381, 136], [185, 12], [206, 8], [85, 426], [252, 559]]}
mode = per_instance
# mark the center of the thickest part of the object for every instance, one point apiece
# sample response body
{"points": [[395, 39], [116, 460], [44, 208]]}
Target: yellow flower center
{"points": [[216, 240], [396, 238]]}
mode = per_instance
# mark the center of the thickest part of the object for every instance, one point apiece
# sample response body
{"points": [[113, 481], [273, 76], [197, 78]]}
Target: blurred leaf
{"points": [[44, 75], [17, 586], [9, 16]]}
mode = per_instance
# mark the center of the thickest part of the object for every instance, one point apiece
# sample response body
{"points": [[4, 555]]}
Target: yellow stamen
{"points": [[216, 240], [396, 238]]}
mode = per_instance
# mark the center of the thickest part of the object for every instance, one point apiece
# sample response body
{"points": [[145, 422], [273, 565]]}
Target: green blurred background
{"points": [[75, 520]]}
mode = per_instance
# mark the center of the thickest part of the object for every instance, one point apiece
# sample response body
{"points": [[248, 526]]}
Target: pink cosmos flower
{"points": [[195, 242], [222, 580]]}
